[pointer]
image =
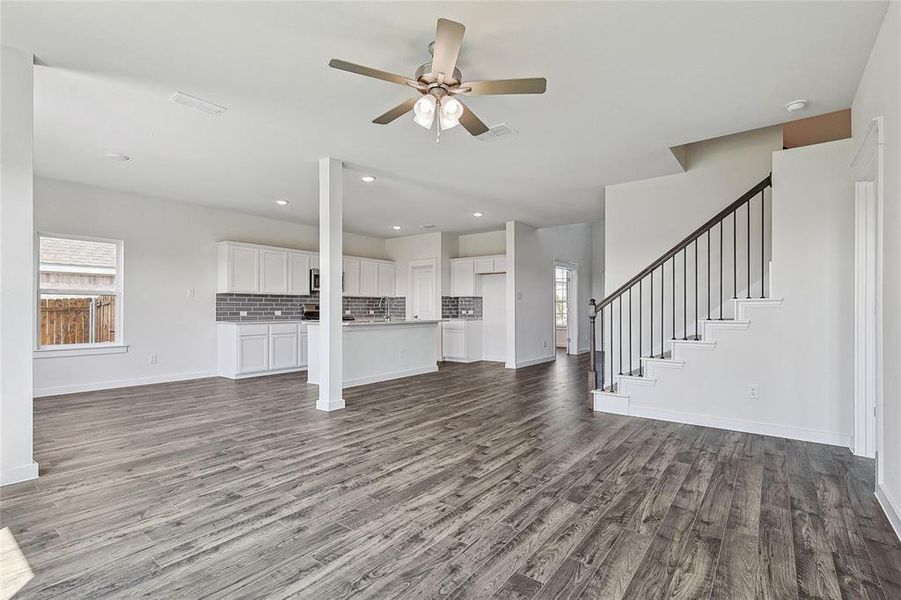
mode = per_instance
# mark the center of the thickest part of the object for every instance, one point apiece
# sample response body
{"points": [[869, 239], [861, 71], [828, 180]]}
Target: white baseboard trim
{"points": [[891, 508], [329, 407], [494, 358], [534, 361], [734, 424], [18, 474], [41, 392], [348, 383], [460, 360], [265, 373]]}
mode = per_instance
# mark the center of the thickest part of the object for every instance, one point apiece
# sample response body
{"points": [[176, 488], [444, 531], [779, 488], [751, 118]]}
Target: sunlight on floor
{"points": [[15, 571]]}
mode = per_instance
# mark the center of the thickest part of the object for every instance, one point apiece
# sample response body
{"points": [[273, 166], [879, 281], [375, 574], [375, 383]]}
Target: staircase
{"points": [[674, 309]]}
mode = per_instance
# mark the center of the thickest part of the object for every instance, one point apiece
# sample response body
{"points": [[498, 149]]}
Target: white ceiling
{"points": [[625, 82]]}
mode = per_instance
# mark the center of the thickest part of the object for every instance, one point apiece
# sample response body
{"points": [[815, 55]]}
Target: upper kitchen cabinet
{"points": [[464, 270], [351, 277], [257, 269], [239, 268], [273, 271], [299, 265], [462, 275], [387, 278], [369, 278]]}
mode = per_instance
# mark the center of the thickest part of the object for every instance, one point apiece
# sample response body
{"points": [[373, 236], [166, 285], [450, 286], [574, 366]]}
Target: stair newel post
{"points": [[620, 334], [662, 305], [708, 274], [631, 314], [685, 293], [592, 345], [762, 246], [749, 250], [651, 314], [722, 223], [696, 289], [640, 309], [734, 255]]}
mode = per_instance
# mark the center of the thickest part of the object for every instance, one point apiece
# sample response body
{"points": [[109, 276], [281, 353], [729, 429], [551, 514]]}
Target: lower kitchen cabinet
{"points": [[253, 349], [461, 340]]}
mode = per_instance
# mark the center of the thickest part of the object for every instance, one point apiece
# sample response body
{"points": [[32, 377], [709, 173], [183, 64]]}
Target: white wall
{"points": [[800, 354], [879, 94], [643, 219], [402, 250], [17, 301], [530, 290], [168, 248], [482, 244]]}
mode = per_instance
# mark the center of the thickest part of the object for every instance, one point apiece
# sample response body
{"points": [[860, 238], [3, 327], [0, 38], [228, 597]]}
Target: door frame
{"points": [[572, 305], [424, 262], [867, 169]]}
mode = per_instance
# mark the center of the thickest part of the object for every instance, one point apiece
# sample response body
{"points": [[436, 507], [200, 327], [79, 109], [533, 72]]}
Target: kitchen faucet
{"points": [[387, 307]]}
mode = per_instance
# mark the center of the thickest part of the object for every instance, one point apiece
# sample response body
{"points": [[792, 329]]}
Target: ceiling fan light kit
{"points": [[438, 89]]}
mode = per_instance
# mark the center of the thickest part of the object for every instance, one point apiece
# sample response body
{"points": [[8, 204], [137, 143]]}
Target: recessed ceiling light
{"points": [[367, 178], [477, 214], [117, 156], [396, 227], [282, 202], [796, 105], [197, 104]]}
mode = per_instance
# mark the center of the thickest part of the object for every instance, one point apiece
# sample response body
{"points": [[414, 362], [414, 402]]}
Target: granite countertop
{"points": [[360, 323]]}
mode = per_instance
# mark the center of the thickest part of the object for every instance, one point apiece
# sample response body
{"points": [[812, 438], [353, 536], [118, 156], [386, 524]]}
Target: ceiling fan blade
{"points": [[533, 85], [471, 122], [448, 39], [343, 65], [398, 111]]}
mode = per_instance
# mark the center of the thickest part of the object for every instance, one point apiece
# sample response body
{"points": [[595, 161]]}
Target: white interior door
{"points": [[423, 293], [865, 320]]}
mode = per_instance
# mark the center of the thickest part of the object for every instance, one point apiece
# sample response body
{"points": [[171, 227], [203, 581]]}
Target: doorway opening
{"points": [[565, 307]]}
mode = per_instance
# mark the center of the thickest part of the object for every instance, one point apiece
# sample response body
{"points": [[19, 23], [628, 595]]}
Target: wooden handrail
{"points": [[697, 233]]}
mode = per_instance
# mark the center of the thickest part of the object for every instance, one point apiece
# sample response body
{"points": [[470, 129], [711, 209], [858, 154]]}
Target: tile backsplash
{"points": [[262, 307], [461, 307]]}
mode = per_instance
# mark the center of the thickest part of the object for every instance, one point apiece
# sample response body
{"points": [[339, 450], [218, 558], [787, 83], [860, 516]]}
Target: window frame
{"points": [[115, 347]]}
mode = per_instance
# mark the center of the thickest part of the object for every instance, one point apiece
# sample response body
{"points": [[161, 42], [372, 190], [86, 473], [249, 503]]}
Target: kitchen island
{"points": [[380, 350]]}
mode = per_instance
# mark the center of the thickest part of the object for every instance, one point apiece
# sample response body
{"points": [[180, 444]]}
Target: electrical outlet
{"points": [[191, 292], [242, 313], [278, 313], [753, 391], [403, 353], [371, 312], [519, 295], [346, 312], [153, 358], [545, 343]]}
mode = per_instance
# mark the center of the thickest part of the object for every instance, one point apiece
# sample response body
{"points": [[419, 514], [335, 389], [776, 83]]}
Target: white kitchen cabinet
{"points": [[351, 276], [483, 265], [283, 348], [239, 269], [303, 337], [462, 276], [387, 279], [500, 264], [256, 269], [273, 271], [461, 340], [299, 273], [369, 278], [254, 349]]}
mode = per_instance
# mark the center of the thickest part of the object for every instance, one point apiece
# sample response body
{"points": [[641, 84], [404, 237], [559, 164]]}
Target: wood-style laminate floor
{"points": [[473, 482]]}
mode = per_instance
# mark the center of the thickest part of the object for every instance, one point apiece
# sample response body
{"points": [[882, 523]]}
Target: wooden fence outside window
{"points": [[78, 320]]}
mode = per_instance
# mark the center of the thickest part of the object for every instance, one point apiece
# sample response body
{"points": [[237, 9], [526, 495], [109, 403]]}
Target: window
{"points": [[561, 292], [80, 289]]}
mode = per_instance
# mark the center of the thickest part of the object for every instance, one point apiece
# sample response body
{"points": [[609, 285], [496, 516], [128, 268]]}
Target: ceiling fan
{"points": [[439, 81]]}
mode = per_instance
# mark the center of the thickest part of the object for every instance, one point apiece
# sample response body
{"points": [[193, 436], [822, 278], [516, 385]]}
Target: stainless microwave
{"points": [[314, 280]]}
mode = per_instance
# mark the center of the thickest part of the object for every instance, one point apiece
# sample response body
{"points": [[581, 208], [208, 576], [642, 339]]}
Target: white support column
{"points": [[331, 200], [17, 301]]}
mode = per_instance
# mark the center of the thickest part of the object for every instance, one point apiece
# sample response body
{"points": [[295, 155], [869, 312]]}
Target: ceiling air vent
{"points": [[498, 131], [197, 104]]}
